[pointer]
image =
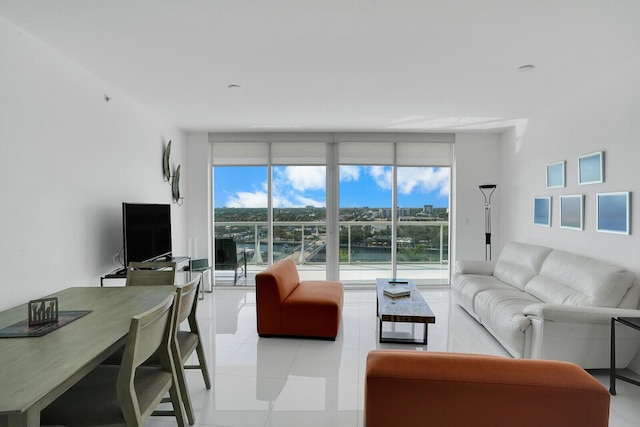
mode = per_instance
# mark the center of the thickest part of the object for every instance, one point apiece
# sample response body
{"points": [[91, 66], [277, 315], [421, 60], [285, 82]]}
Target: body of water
{"points": [[359, 254]]}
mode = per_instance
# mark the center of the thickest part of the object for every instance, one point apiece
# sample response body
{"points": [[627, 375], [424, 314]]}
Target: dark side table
{"points": [[632, 322]]}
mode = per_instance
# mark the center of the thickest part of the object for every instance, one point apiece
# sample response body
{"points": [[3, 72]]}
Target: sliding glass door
{"points": [[299, 218], [422, 226], [240, 209], [365, 223]]}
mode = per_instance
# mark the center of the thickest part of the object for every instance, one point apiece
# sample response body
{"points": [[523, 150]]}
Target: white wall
{"points": [[477, 161], [199, 195], [604, 116], [68, 161]]}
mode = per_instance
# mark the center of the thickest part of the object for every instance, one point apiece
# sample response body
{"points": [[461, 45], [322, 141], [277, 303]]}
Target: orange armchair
{"points": [[414, 388], [287, 307]]}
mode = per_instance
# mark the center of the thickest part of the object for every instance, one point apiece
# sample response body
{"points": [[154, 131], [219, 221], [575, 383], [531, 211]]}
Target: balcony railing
{"points": [[361, 242]]}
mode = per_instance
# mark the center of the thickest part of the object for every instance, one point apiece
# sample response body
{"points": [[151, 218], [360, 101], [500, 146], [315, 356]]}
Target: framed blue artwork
{"points": [[591, 168], [572, 212], [555, 175], [542, 211], [613, 213]]}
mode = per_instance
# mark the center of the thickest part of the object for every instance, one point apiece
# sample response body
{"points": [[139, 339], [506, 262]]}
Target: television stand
{"points": [[121, 273]]}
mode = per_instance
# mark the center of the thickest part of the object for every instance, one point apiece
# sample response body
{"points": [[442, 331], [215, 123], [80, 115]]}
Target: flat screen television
{"points": [[146, 231]]}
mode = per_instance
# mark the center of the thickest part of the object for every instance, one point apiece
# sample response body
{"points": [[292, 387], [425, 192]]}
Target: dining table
{"points": [[35, 370]]}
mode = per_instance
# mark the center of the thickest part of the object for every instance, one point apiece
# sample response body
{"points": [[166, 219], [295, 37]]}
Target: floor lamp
{"points": [[487, 190]]}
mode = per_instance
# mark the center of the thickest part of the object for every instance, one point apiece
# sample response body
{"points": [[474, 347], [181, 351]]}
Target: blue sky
{"points": [[299, 186]]}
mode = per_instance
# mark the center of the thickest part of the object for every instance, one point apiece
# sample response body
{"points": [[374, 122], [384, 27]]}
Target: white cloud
{"points": [[349, 173], [283, 202], [292, 183], [306, 201], [246, 199], [382, 176], [423, 180], [303, 178], [413, 179]]}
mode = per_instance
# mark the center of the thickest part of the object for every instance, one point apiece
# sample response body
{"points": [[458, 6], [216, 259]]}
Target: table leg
{"points": [[426, 328], [612, 365]]}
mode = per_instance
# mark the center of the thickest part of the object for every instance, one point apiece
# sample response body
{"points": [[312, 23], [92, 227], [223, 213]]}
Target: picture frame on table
{"points": [[591, 168], [555, 175], [572, 212], [613, 212], [542, 211]]}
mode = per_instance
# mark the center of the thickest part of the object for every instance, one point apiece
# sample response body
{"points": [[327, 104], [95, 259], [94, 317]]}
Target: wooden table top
{"points": [[412, 308], [36, 370]]}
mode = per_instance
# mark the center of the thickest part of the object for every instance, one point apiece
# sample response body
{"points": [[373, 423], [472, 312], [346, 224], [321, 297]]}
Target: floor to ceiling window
{"points": [[365, 222], [422, 227], [351, 207], [299, 216], [241, 209]]}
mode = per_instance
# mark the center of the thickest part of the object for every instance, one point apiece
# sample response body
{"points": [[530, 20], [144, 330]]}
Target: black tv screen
{"points": [[146, 231]]}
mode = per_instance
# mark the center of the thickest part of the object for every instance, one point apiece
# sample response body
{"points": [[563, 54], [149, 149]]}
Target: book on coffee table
{"points": [[397, 291]]}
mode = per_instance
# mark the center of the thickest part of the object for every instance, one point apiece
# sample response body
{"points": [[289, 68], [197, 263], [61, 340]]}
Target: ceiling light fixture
{"points": [[526, 68]]}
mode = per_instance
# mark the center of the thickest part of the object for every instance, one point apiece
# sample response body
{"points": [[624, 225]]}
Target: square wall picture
{"points": [[555, 175], [571, 212], [542, 211], [613, 213], [590, 168]]}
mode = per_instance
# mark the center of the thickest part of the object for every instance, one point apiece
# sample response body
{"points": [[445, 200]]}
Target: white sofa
{"points": [[541, 303]]}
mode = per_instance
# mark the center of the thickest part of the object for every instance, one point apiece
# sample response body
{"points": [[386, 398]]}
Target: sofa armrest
{"points": [[475, 267], [415, 388], [577, 314]]}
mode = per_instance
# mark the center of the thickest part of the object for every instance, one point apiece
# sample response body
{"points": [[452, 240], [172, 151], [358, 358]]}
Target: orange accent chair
{"points": [[415, 388], [287, 307]]}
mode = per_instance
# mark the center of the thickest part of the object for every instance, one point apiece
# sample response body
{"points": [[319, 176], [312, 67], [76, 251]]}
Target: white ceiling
{"points": [[340, 64]]}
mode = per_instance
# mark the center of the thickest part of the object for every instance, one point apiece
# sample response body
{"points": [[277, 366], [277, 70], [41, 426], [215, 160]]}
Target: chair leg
{"points": [[203, 365], [174, 394], [202, 359], [180, 383], [184, 393]]}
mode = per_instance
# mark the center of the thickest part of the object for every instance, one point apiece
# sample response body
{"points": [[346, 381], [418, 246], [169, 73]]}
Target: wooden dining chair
{"points": [[186, 341], [151, 273], [202, 266], [126, 394]]}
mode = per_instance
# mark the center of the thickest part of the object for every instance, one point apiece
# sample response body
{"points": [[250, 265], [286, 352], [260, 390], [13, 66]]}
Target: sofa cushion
{"points": [[475, 267], [501, 312], [519, 263], [313, 309], [466, 286], [571, 279]]}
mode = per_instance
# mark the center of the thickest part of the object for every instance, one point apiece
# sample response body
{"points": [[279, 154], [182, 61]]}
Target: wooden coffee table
{"points": [[408, 309]]}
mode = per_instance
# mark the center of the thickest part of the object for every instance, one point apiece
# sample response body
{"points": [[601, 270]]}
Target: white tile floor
{"points": [[278, 382]]}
